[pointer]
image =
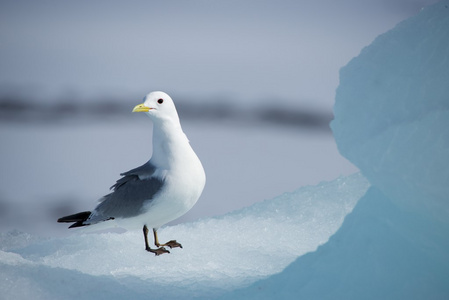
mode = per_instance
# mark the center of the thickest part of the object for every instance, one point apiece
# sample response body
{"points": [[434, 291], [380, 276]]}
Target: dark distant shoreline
{"points": [[19, 110]]}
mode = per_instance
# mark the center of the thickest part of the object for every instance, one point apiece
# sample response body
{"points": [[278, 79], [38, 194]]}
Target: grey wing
{"points": [[142, 172], [130, 193]]}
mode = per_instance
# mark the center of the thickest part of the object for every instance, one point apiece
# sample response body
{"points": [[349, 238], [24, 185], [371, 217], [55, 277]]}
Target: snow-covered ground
{"points": [[219, 254]]}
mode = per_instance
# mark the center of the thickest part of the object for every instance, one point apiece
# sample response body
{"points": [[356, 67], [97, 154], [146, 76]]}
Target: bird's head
{"points": [[159, 107]]}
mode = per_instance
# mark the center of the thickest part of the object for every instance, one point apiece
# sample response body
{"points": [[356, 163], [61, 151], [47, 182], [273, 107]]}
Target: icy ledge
{"points": [[219, 255]]}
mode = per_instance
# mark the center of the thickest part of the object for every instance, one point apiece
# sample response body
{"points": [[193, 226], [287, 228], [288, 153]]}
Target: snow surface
{"points": [[219, 254], [380, 252]]}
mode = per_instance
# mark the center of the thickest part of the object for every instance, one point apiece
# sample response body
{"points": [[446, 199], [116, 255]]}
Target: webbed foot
{"points": [[158, 251], [172, 244]]}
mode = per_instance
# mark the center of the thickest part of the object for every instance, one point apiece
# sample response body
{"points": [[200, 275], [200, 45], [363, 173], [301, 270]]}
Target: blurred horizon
{"points": [[14, 110]]}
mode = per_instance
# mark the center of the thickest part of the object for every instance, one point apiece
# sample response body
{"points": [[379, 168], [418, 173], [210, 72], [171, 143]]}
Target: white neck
{"points": [[169, 143]]}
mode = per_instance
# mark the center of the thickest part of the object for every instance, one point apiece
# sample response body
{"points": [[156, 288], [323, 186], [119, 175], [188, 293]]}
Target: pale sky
{"points": [[245, 50]]}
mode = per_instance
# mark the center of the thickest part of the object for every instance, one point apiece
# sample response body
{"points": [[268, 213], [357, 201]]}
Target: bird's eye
{"points": [[160, 101]]}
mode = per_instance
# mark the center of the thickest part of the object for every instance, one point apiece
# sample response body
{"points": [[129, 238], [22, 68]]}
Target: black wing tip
{"points": [[77, 224], [77, 219]]}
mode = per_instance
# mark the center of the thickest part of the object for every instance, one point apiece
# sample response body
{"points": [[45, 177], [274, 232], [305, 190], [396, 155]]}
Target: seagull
{"points": [[159, 191]]}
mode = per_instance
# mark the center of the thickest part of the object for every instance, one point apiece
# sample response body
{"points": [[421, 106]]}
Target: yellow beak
{"points": [[140, 108]]}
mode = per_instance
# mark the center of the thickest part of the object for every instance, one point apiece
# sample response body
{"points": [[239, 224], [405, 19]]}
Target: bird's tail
{"points": [[77, 219]]}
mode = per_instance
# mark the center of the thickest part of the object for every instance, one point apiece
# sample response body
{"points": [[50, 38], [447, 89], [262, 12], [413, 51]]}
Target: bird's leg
{"points": [[171, 244], [159, 251]]}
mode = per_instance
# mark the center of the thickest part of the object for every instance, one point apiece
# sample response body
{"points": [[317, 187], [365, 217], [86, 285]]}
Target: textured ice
{"points": [[219, 254], [392, 112], [391, 120], [380, 252]]}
